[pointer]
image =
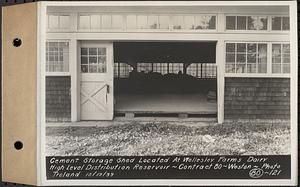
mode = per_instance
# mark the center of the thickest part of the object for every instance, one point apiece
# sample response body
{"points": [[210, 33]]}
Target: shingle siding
{"points": [[257, 98], [58, 98]]}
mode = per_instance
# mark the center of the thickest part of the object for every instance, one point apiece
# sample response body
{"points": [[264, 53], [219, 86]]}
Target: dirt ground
{"points": [[167, 138]]}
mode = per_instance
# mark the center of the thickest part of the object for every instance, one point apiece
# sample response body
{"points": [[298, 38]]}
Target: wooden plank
{"points": [[19, 117]]}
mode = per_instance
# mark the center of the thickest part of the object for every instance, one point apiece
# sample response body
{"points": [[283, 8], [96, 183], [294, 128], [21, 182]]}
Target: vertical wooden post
{"points": [[74, 78], [220, 78]]}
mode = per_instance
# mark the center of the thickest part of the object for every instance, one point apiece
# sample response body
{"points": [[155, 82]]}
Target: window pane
{"points": [[230, 22], [276, 60], [285, 23], [131, 22], [240, 68], [262, 67], [230, 47], [241, 58], [286, 48], [92, 60], [177, 22], [84, 60], [276, 50], [212, 23], [286, 60], [102, 51], [202, 22], [241, 23], [251, 47], [164, 22], [64, 22], [189, 22], [230, 58], [117, 22], [142, 22], [262, 57], [251, 58], [93, 68], [106, 21], [153, 22], [262, 23], [84, 22], [92, 51], [230, 68], [276, 68], [53, 46], [276, 23], [95, 21], [53, 22], [251, 68], [286, 68], [241, 47], [84, 68], [102, 64], [84, 51]]}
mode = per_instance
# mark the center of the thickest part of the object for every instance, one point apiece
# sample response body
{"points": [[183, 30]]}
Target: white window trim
{"points": [[124, 28], [47, 73], [269, 73], [281, 16], [59, 14], [269, 22], [281, 58]]}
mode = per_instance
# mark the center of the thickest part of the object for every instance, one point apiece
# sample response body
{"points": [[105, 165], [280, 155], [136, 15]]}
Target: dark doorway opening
{"points": [[152, 78]]}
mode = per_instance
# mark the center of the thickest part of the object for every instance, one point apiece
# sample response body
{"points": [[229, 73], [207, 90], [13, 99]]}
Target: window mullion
{"points": [[281, 58], [256, 57], [235, 57], [246, 60]]}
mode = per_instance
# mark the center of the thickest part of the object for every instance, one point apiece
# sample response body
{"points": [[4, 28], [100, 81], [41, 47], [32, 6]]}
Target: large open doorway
{"points": [[165, 78]]}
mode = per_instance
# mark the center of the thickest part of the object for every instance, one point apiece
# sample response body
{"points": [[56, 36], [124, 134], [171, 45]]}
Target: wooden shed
{"points": [[106, 60], [97, 60]]}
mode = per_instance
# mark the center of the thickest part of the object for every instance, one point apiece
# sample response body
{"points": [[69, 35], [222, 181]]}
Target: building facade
{"points": [[244, 50]]}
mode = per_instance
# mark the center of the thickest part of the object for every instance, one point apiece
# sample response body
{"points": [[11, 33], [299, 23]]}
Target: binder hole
{"points": [[17, 42], [18, 145]]}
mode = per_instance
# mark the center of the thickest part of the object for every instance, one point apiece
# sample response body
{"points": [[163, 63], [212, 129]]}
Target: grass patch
{"points": [[162, 138]]}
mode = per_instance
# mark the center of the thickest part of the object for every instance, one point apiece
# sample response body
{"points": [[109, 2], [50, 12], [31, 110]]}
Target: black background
{"points": [[12, 2]]}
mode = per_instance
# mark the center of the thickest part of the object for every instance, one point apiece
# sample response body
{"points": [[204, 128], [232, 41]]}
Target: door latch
{"points": [[107, 88]]}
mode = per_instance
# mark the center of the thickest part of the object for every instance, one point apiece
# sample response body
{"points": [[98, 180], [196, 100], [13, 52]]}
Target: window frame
{"points": [[269, 22], [281, 58], [59, 29], [57, 73], [281, 16], [136, 14], [94, 56], [269, 62]]}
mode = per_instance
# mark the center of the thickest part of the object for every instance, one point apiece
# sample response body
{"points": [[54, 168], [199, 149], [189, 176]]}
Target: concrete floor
{"points": [[165, 103]]}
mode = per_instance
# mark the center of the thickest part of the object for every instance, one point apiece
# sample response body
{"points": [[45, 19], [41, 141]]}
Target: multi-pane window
{"points": [[280, 23], [144, 67], [202, 70], [280, 58], [96, 22], [160, 68], [246, 22], [191, 22], [175, 68], [58, 22], [147, 22], [93, 59], [57, 56], [246, 58], [122, 70]]}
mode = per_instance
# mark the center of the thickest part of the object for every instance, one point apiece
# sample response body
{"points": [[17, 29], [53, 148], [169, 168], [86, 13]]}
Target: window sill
{"points": [[58, 74], [258, 75]]}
